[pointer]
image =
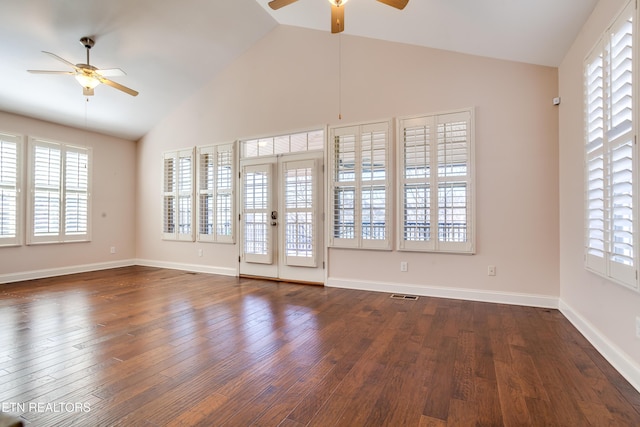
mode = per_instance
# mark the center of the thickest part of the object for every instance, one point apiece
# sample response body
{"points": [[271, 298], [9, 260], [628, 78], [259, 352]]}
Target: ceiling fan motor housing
{"points": [[87, 42]]}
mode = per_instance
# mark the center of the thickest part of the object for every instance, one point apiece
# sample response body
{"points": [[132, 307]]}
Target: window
{"points": [[10, 189], [215, 193], [60, 199], [360, 189], [283, 144], [610, 155], [178, 195], [435, 158]]}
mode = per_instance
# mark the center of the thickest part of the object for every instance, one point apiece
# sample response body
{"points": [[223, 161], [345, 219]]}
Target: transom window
{"points": [[283, 144]]}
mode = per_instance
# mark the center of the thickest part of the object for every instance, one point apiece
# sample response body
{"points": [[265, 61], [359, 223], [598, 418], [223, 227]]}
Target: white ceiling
{"points": [[170, 49]]}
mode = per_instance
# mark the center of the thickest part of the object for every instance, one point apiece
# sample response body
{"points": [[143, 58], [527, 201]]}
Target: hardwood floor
{"points": [[143, 346]]}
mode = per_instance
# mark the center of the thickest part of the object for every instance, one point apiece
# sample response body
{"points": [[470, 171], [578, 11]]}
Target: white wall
{"points": [[603, 311], [289, 80], [113, 213]]}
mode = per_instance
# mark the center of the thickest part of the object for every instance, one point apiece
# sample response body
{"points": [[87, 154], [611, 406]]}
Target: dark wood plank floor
{"points": [[142, 346]]}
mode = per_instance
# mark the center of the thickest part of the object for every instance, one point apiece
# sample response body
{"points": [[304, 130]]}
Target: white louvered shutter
{"points": [[169, 198], [435, 158], [206, 174], [415, 169], [620, 138], [375, 172], [256, 213], [46, 191], [215, 193], [10, 189], [300, 193], [360, 186], [610, 155], [594, 158], [60, 199], [225, 167], [178, 200], [76, 192], [345, 225]]}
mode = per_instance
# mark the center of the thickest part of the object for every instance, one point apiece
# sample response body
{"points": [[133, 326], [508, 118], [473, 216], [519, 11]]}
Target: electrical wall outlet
{"points": [[404, 266], [491, 270], [199, 252], [112, 250]]}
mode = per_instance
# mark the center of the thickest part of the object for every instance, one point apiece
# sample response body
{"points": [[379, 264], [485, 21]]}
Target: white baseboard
{"points": [[61, 271], [512, 298], [626, 366], [196, 268]]}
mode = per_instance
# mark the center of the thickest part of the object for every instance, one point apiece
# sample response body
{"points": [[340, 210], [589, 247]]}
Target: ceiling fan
{"points": [[87, 75], [337, 10]]}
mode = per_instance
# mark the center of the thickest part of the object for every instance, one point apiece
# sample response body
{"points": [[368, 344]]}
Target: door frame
{"points": [[279, 270]]}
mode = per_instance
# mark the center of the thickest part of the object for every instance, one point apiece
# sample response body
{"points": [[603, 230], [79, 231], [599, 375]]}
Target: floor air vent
{"points": [[399, 296]]}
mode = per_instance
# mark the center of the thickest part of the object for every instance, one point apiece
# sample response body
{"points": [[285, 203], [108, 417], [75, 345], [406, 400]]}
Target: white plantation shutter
{"points": [[257, 206], [454, 182], [60, 192], [375, 172], [435, 160], [76, 192], [416, 184], [206, 210], [360, 186], [169, 199], [343, 225], [47, 190], [594, 158], [10, 189], [299, 182], [610, 155], [225, 167], [215, 193], [178, 189]]}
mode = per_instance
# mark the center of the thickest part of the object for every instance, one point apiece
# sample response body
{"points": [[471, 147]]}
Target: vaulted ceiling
{"points": [[171, 49]]}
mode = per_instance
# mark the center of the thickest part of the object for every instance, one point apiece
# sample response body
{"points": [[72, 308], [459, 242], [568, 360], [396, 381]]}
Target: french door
{"points": [[281, 220]]}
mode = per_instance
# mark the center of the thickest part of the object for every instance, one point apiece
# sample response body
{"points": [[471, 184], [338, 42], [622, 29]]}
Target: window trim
{"points": [[18, 239], [434, 182], [61, 236]]}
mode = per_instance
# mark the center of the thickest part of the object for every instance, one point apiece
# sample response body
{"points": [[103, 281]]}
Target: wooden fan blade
{"points": [[64, 61], [50, 72], [117, 86], [277, 4], [337, 19], [111, 72], [398, 4]]}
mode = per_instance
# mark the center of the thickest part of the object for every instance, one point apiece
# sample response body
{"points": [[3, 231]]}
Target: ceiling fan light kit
{"points": [[87, 75], [337, 10]]}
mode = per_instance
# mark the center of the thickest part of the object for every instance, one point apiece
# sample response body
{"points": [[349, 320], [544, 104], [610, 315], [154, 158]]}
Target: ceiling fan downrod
{"points": [[88, 43]]}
